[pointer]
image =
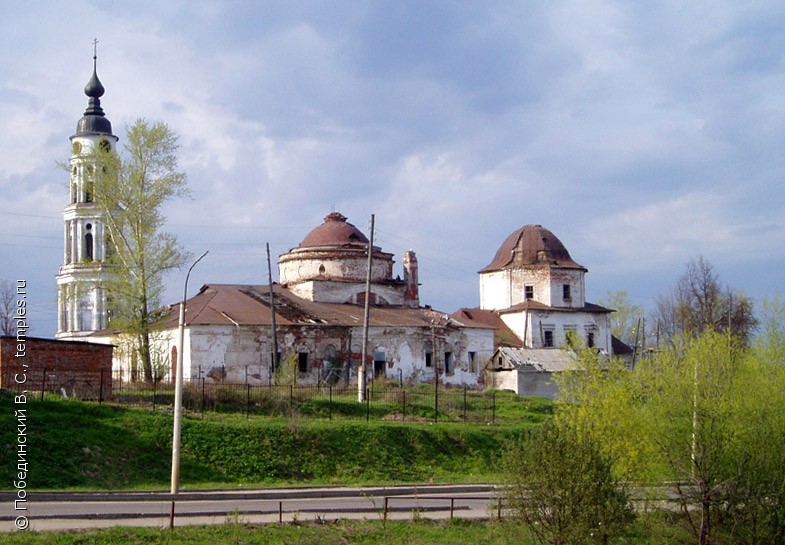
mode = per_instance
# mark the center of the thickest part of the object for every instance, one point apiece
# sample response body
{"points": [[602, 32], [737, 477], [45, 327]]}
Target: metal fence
{"points": [[384, 400]]}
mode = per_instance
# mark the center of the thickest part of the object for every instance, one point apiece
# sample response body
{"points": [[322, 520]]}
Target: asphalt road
{"points": [[74, 510]]}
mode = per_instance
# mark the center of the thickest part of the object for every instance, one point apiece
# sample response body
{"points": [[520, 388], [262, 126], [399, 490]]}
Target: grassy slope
{"points": [[80, 445], [342, 532]]}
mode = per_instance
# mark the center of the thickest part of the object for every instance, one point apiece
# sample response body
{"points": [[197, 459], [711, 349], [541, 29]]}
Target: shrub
{"points": [[563, 489]]}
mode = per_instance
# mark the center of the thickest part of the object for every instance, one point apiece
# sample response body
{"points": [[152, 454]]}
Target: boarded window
{"points": [[302, 362]]}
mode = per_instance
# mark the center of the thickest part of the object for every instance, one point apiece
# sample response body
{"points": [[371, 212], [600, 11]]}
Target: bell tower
{"points": [[81, 298]]}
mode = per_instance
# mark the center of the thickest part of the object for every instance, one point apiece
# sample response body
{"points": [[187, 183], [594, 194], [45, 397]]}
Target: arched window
{"points": [[88, 243]]}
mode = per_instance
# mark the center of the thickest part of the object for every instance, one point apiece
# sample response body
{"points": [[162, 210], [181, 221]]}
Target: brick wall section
{"points": [[80, 369]]}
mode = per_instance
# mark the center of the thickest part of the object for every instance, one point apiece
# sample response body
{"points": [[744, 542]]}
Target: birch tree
{"points": [[131, 189]]}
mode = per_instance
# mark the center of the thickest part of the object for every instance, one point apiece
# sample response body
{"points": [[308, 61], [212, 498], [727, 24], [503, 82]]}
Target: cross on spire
{"points": [[95, 48]]}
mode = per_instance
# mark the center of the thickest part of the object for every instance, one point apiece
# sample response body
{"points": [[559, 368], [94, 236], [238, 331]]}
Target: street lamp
{"points": [[178, 386]]}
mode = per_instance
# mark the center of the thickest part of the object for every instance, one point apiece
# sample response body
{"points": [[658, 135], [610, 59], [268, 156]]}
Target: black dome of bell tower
{"points": [[93, 121]]}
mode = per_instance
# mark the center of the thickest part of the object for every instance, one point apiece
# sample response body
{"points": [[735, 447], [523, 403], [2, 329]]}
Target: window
{"points": [[472, 362], [566, 295], [379, 361], [590, 339], [302, 362], [88, 242], [448, 363], [528, 291], [547, 338], [428, 359], [88, 192]]}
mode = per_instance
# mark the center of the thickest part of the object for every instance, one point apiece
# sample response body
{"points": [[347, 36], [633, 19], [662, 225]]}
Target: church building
{"points": [[534, 295], [315, 317]]}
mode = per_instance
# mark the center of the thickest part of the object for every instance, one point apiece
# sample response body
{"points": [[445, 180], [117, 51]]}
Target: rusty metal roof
{"points": [[480, 318], [536, 305], [249, 305], [531, 245], [335, 231], [548, 360]]}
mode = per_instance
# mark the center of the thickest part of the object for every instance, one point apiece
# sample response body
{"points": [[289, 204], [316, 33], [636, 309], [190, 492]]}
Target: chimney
{"points": [[411, 297]]}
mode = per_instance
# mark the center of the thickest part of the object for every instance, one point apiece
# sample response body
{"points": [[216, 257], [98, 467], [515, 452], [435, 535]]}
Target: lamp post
{"points": [[178, 386]]}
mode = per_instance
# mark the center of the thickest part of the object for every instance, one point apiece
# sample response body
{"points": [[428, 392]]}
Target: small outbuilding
{"points": [[528, 371]]}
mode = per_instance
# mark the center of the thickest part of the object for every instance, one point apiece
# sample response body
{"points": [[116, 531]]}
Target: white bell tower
{"points": [[81, 297]]}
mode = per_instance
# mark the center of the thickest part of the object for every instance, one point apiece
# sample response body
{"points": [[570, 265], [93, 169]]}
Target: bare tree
{"points": [[7, 307], [699, 302]]}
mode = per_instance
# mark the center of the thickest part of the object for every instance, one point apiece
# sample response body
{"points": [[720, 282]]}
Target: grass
{"points": [[77, 445], [341, 532]]}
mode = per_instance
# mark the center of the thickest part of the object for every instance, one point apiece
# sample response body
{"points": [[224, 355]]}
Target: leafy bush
{"points": [[563, 489]]}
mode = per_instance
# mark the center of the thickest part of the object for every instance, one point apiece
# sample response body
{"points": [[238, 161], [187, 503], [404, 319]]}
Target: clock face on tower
{"points": [[76, 148]]}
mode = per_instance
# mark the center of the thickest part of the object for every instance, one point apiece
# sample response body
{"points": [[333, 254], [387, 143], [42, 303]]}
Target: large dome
{"points": [[531, 245], [335, 231]]}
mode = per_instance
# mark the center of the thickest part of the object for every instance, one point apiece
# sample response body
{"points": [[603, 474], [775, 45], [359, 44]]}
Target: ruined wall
{"points": [[332, 353], [326, 291], [336, 262], [531, 326], [504, 289]]}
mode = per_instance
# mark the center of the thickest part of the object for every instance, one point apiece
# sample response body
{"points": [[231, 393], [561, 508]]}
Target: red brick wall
{"points": [[80, 369]]}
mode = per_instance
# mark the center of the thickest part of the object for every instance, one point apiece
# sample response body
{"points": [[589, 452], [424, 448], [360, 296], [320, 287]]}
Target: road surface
{"points": [[75, 510]]}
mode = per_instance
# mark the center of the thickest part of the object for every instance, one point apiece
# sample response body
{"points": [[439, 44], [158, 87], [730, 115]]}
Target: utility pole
{"points": [[364, 351], [274, 357]]}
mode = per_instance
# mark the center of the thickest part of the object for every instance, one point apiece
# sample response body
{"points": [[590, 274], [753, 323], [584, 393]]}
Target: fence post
{"points": [[436, 394], [330, 404], [101, 387], [291, 398], [386, 502], [464, 402], [403, 408], [247, 399], [494, 406], [43, 384], [367, 406], [202, 396], [155, 394]]}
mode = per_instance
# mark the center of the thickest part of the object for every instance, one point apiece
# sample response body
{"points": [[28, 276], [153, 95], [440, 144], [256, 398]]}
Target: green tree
{"points": [[755, 496], [704, 415], [689, 395], [131, 191], [560, 485], [627, 320]]}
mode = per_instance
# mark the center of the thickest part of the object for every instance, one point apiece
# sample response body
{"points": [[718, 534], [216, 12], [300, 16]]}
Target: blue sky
{"points": [[641, 134]]}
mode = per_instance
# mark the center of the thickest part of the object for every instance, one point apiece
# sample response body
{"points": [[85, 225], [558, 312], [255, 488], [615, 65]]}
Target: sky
{"points": [[642, 134]]}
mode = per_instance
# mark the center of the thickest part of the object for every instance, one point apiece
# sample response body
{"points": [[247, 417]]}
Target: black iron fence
{"points": [[383, 400]]}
